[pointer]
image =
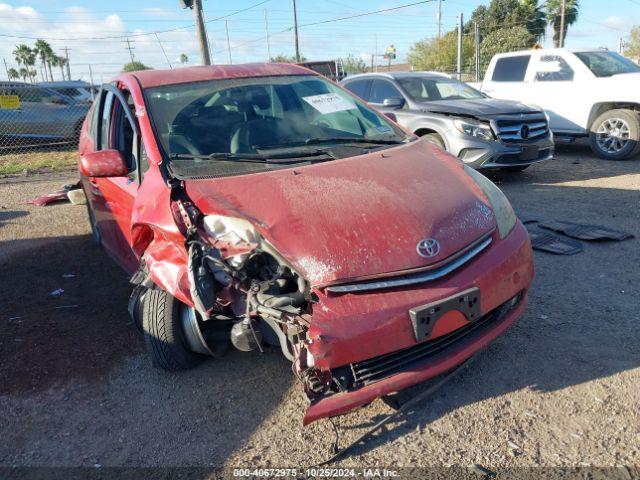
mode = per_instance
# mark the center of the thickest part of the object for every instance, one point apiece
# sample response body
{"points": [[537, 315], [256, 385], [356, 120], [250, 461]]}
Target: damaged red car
{"points": [[263, 206]]}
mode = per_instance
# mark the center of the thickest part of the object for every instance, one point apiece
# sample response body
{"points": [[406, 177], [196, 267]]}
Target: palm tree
{"points": [[24, 73], [13, 74], [43, 50], [57, 61], [26, 57], [555, 18]]}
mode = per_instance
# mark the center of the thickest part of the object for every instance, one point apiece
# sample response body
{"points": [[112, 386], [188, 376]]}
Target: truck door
{"points": [[508, 78]]}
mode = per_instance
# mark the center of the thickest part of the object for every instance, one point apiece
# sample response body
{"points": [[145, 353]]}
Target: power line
{"points": [[140, 34]]}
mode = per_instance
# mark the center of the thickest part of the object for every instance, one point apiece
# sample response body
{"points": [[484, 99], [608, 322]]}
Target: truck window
{"points": [[359, 87], [381, 90], [553, 68], [511, 69]]}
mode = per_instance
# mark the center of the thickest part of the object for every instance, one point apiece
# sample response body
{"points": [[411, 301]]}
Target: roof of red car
{"points": [[155, 78]]}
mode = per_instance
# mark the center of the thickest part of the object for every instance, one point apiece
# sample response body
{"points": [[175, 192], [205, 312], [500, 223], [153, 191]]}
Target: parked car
{"points": [[481, 131], [78, 90], [262, 204], [590, 93], [39, 114]]}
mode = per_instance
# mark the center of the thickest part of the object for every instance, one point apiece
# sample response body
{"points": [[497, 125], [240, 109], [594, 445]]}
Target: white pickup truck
{"points": [[594, 93]]}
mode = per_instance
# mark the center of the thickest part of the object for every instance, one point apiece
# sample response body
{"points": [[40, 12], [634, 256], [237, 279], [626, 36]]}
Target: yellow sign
{"points": [[11, 102]]}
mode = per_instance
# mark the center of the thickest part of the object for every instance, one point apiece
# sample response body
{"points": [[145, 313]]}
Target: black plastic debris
{"points": [[548, 242], [585, 232]]}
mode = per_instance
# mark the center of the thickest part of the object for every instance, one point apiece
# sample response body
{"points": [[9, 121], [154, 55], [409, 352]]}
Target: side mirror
{"points": [[105, 163], [394, 102]]}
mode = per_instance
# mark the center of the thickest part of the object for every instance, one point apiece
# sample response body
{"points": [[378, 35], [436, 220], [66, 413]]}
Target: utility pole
{"points": [[459, 67], [66, 56], [375, 37], [439, 17], [563, 6], [477, 32], [6, 68], [130, 48], [93, 95], [621, 47], [295, 30], [205, 57], [226, 32], [164, 53], [266, 36]]}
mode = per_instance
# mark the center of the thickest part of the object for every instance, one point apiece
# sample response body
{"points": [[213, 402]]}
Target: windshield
{"points": [[426, 89], [607, 64], [231, 123]]}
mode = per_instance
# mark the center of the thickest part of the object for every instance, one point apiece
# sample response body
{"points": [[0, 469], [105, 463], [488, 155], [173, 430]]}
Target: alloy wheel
{"points": [[613, 135]]}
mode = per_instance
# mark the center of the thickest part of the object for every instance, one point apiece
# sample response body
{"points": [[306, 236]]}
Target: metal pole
{"points": [[295, 30], [375, 36], [439, 17], [562, 9], [477, 31], [130, 48], [226, 32], [66, 56], [266, 31], [162, 48], [6, 68], [91, 79], [459, 71], [205, 57]]}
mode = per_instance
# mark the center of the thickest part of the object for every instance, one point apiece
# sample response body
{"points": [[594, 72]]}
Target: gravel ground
{"points": [[560, 388]]}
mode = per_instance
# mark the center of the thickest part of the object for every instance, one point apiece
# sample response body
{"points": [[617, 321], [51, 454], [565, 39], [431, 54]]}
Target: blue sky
{"points": [[81, 26]]}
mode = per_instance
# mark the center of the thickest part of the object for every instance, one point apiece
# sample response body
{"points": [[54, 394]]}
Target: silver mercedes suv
{"points": [[483, 132]]}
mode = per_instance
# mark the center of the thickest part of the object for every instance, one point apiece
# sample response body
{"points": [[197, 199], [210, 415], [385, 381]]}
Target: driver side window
{"points": [[381, 90]]}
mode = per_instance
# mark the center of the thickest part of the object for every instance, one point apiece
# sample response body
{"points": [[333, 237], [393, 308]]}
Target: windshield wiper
{"points": [[322, 140], [277, 158]]}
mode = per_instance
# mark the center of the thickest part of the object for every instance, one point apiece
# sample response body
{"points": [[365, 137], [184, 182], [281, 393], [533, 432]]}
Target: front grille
{"points": [[521, 128], [377, 368]]}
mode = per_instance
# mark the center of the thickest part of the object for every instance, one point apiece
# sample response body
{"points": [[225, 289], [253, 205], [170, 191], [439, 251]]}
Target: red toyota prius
{"points": [[261, 205]]}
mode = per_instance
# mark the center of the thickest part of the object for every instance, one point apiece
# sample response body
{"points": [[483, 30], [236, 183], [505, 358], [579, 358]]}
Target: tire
{"points": [[163, 333], [626, 141], [435, 139], [518, 168]]}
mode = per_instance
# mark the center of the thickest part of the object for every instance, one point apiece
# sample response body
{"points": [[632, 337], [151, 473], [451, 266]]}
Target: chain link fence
{"points": [[41, 119]]}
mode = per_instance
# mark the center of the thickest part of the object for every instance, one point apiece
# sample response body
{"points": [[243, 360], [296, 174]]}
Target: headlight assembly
{"points": [[474, 129], [505, 216]]}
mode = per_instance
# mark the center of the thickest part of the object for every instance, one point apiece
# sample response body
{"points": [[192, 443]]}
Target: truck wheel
{"points": [[615, 135], [162, 325], [435, 139]]}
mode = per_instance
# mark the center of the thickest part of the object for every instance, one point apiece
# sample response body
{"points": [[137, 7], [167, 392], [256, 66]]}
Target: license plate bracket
{"points": [[529, 153], [424, 317]]}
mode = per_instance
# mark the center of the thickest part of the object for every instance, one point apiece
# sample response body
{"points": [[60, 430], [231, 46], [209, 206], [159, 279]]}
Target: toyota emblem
{"points": [[428, 248]]}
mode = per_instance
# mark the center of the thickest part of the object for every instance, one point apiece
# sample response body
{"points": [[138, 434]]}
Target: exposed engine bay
{"points": [[244, 293]]}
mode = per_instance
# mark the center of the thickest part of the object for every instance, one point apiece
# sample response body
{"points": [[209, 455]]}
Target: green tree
{"points": [[440, 54], [508, 13], [24, 73], [632, 48], [26, 57], [536, 18], [184, 58], [282, 58], [571, 11], [508, 39], [13, 74], [135, 66], [60, 62], [44, 51], [353, 64]]}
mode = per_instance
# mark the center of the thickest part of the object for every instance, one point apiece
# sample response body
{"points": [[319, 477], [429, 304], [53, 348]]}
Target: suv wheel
{"points": [[435, 139], [162, 324], [615, 135]]}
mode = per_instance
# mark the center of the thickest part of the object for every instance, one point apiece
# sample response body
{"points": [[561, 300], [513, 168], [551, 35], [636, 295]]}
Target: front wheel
{"points": [[435, 139], [162, 324], [615, 135]]}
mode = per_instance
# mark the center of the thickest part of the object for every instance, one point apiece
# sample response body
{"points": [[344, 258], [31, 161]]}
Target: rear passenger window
{"points": [[511, 69], [553, 68], [359, 87]]}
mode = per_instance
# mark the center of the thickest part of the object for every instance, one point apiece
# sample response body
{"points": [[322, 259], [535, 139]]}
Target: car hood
{"points": [[356, 217], [478, 108]]}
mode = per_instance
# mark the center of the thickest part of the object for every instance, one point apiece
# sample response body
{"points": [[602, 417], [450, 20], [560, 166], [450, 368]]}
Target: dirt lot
{"points": [[76, 387]]}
